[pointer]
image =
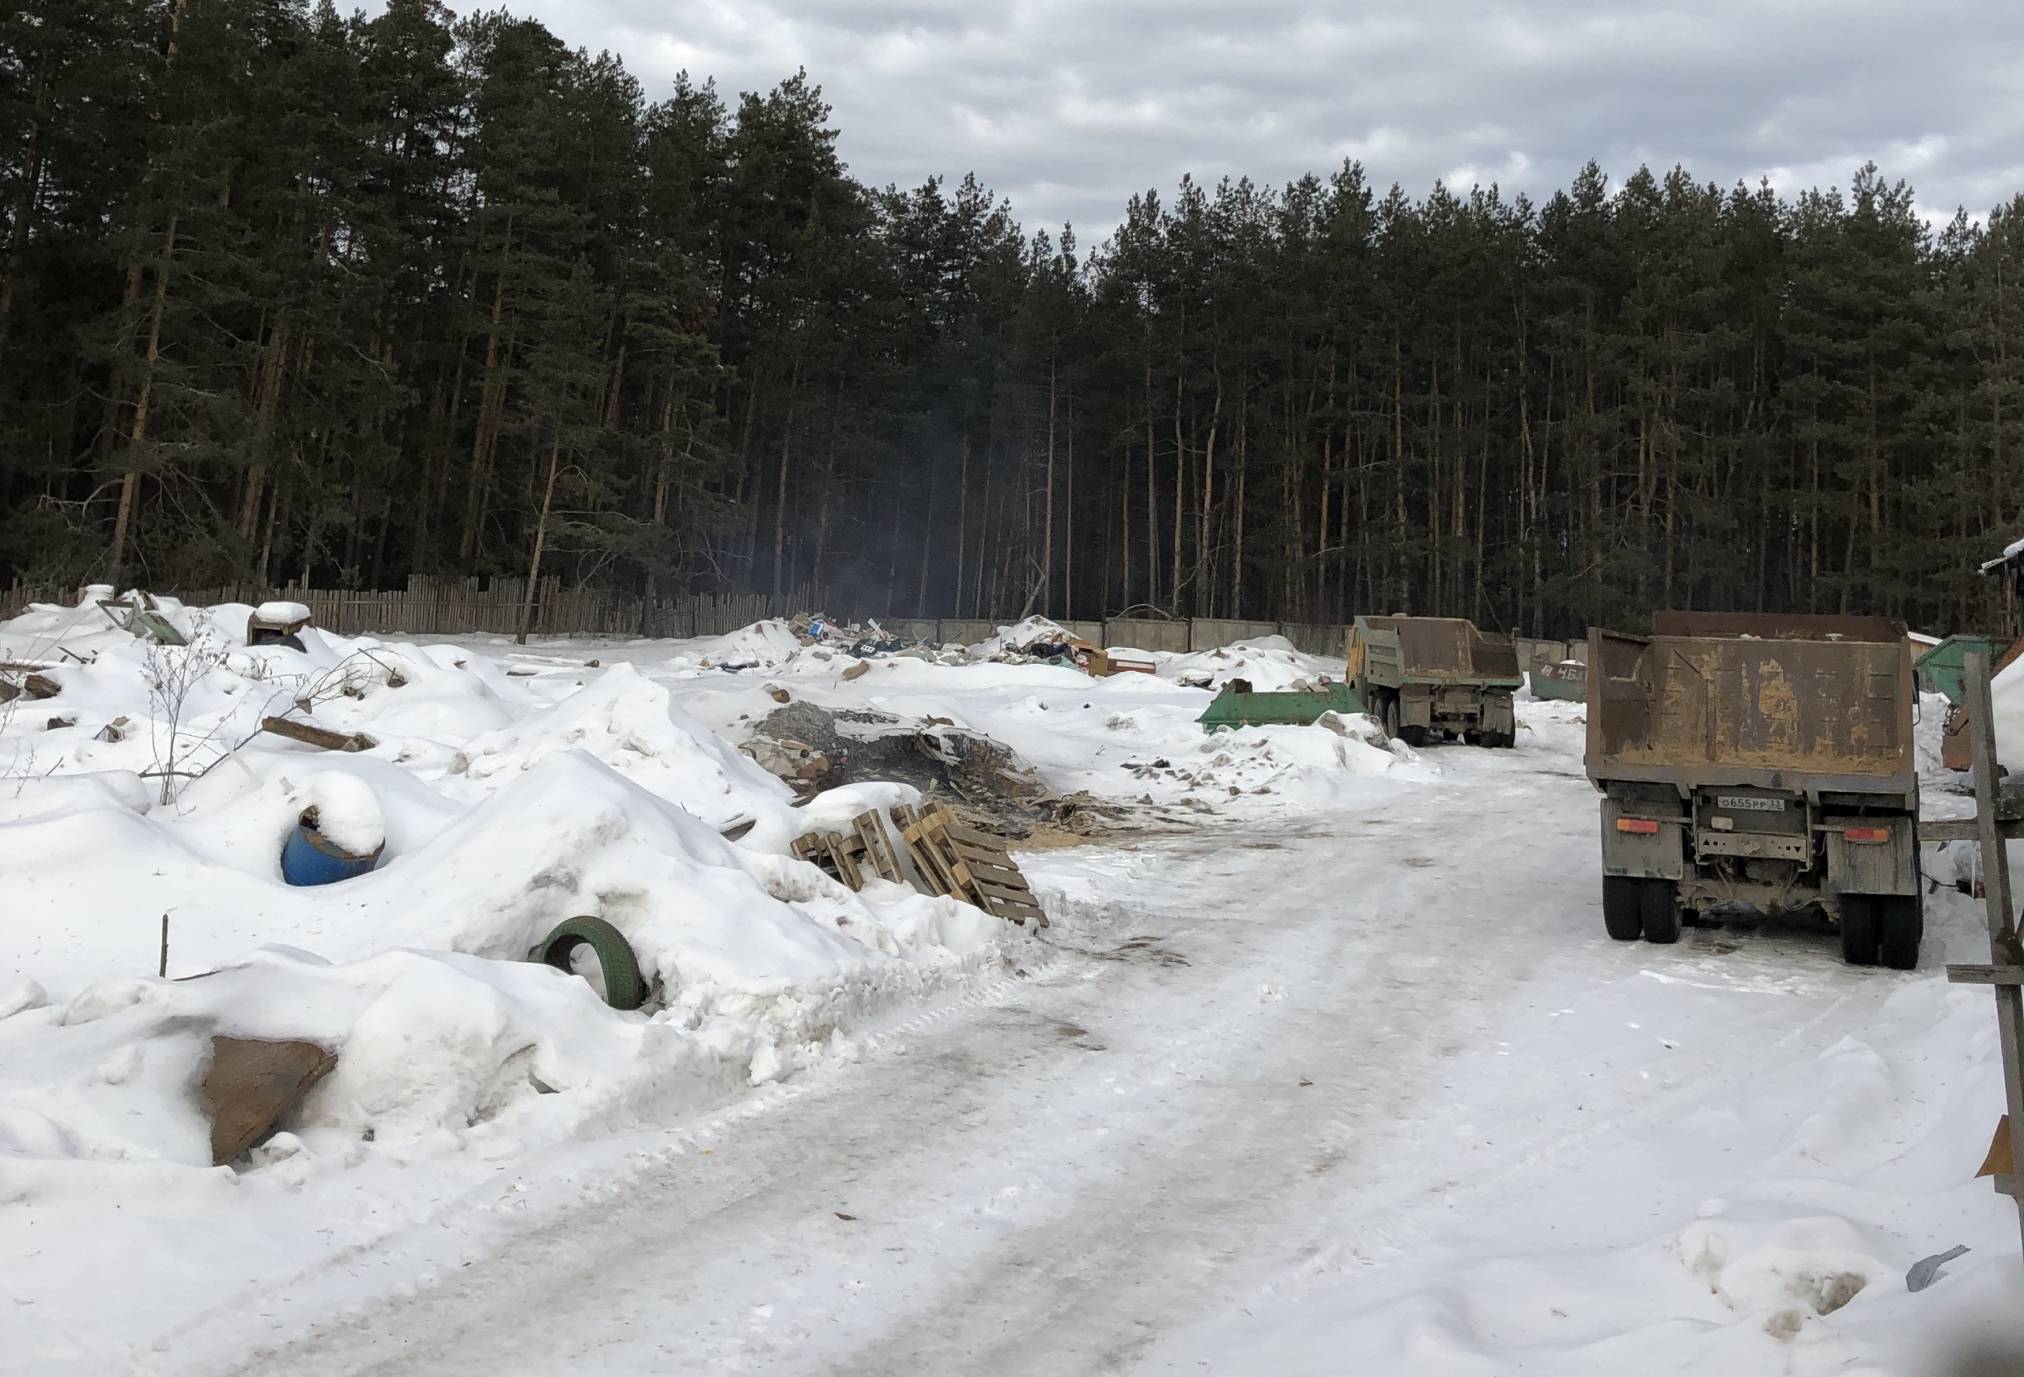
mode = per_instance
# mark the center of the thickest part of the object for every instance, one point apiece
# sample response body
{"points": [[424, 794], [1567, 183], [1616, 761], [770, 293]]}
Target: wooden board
{"points": [[880, 857], [316, 736]]}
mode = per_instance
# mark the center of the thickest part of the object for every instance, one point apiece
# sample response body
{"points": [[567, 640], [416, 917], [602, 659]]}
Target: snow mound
{"points": [[1270, 664], [347, 811], [632, 725]]}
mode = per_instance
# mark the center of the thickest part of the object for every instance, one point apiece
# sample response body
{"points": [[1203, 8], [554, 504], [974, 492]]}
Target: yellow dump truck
{"points": [[1760, 760]]}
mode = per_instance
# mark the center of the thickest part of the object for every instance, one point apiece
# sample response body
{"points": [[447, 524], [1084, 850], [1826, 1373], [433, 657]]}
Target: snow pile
{"points": [[1269, 664], [632, 726], [506, 802], [347, 811]]}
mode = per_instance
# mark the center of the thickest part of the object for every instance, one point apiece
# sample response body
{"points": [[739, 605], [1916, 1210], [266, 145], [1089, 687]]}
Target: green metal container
{"points": [[1564, 683], [1943, 668], [1235, 709]]}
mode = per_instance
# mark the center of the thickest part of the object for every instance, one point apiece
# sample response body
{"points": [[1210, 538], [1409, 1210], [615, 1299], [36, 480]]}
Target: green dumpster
{"points": [[1942, 669], [1238, 707], [1566, 682]]}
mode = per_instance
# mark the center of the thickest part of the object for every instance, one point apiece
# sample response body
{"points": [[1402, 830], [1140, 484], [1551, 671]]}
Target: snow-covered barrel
{"points": [[341, 834]]}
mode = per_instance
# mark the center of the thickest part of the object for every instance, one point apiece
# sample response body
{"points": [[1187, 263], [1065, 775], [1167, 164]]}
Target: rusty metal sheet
{"points": [[1797, 707]]}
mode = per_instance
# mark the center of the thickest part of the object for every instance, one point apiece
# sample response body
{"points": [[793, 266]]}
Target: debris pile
{"points": [[813, 749]]}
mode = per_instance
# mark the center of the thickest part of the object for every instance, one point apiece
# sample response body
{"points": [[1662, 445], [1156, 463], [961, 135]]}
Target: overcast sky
{"points": [[1068, 106]]}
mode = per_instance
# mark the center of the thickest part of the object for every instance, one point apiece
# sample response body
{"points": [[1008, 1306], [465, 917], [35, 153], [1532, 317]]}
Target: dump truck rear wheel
{"points": [[1661, 904], [1901, 925], [1623, 907], [1859, 929], [1389, 708]]}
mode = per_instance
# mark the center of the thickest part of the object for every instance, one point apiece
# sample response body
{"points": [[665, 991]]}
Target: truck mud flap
{"points": [[1871, 856], [1641, 847]]}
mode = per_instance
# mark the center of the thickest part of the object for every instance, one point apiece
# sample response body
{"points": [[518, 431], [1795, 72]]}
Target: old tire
{"points": [[1623, 907], [623, 987], [1859, 929], [1660, 903], [1901, 925]]}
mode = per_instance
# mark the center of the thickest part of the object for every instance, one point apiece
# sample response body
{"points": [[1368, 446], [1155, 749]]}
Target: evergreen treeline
{"points": [[288, 293]]}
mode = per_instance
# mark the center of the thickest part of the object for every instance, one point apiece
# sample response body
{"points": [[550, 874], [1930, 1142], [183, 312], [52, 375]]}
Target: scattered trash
{"points": [[139, 615], [32, 684], [857, 671], [1927, 1270], [802, 766], [251, 1083]]}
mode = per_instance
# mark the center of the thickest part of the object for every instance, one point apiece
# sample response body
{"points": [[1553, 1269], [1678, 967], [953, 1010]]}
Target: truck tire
{"points": [[1901, 925], [623, 986], [1623, 907], [1660, 903], [1390, 710], [1859, 929]]}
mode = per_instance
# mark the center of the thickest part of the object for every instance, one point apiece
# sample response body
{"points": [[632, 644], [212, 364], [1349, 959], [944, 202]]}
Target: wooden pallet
{"points": [[853, 857], [969, 865]]}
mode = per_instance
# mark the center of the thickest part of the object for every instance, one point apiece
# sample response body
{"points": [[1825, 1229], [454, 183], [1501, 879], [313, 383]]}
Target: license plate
{"points": [[1737, 804]]}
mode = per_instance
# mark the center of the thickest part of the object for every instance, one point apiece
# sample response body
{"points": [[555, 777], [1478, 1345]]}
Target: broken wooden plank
{"points": [[2002, 1158], [1986, 975], [251, 1083], [1967, 829], [317, 736]]}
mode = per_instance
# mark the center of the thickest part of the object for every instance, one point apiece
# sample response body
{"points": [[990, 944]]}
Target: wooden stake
{"points": [[163, 969]]}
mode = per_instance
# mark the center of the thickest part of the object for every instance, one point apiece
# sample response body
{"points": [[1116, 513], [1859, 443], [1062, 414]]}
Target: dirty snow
{"points": [[1345, 1065]]}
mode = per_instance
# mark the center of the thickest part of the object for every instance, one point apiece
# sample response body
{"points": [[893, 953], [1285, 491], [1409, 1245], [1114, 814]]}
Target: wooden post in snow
{"points": [[2005, 972]]}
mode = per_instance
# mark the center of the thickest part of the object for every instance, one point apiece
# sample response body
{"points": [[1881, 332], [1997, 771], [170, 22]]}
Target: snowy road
{"points": [[1311, 1070]]}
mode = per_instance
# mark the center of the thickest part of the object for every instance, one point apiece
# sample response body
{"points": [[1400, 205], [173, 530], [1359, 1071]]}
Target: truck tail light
{"points": [[1643, 827], [1865, 836]]}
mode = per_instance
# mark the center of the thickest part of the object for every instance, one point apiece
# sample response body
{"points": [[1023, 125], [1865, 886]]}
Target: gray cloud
{"points": [[1068, 106]]}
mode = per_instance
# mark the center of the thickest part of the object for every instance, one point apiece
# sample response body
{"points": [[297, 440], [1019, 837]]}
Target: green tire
{"points": [[623, 987]]}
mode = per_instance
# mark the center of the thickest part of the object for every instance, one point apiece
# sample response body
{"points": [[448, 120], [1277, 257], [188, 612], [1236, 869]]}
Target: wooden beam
{"points": [[316, 736], [1986, 975], [2004, 948], [1966, 829]]}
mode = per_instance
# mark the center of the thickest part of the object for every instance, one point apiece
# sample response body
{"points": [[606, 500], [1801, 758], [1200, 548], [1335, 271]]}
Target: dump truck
{"points": [[1760, 760], [1424, 677]]}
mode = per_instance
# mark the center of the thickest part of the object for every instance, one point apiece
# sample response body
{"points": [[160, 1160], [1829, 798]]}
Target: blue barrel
{"points": [[310, 858]]}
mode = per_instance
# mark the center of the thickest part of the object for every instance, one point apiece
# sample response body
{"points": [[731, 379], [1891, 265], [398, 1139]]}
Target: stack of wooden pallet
{"points": [[947, 858]]}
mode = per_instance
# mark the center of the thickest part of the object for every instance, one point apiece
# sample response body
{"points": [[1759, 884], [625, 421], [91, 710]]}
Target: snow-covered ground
{"points": [[1343, 1067]]}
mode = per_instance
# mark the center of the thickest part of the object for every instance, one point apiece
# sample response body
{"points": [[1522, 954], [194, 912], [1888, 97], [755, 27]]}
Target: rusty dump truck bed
{"points": [[1819, 704], [1446, 650]]}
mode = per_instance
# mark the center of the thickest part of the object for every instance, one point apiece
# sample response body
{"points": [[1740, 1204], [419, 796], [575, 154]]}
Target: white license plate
{"points": [[1736, 804]]}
